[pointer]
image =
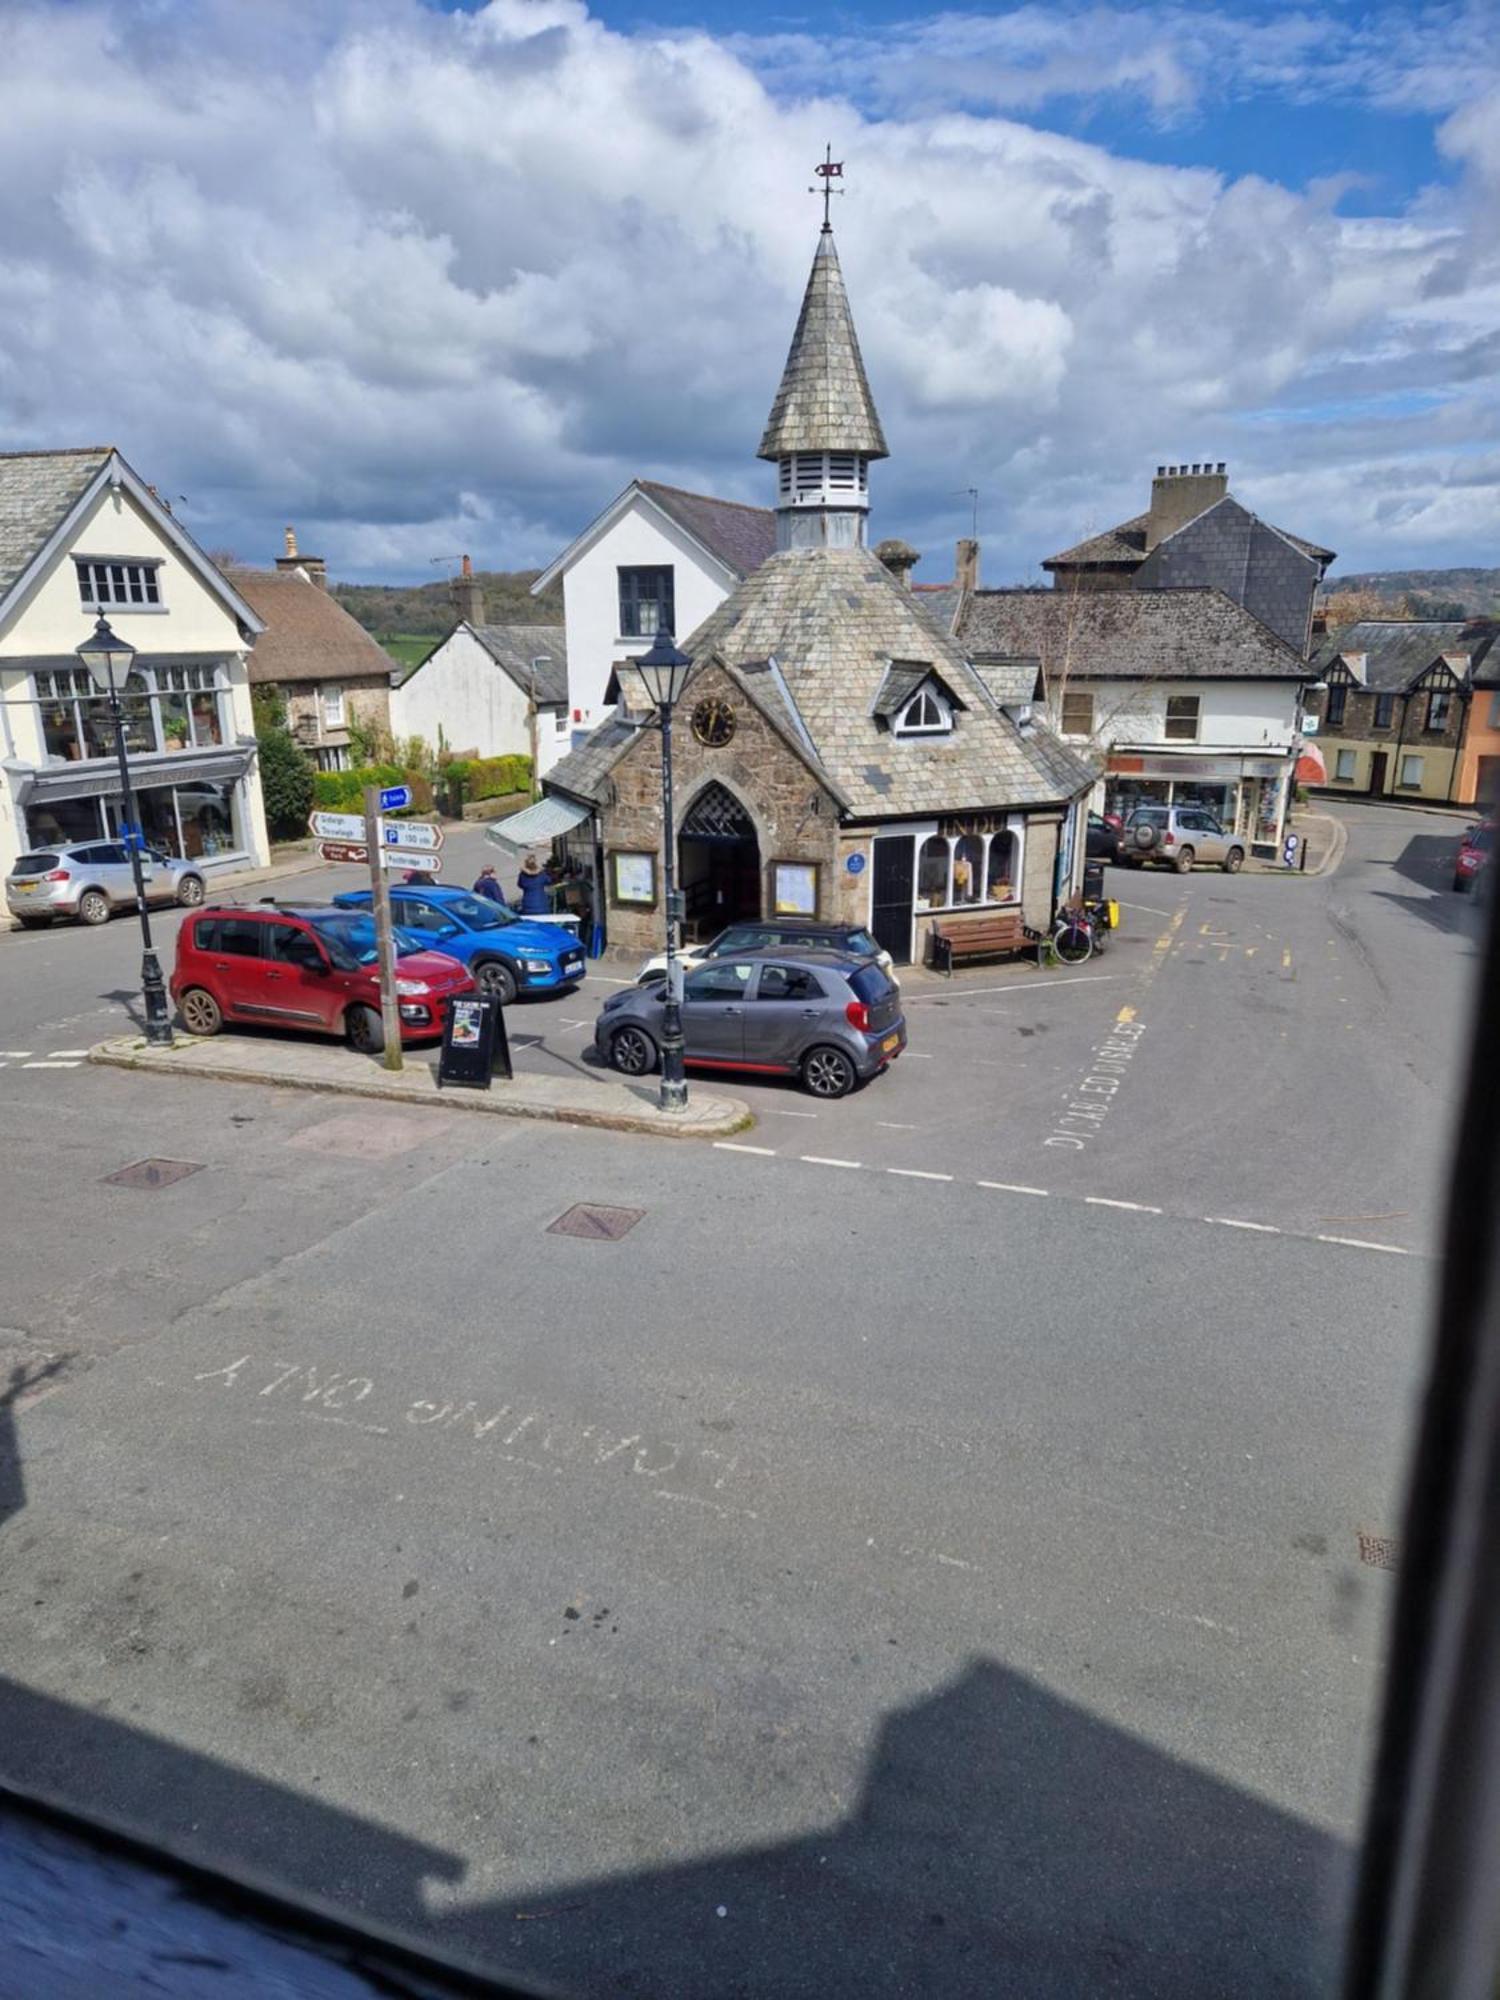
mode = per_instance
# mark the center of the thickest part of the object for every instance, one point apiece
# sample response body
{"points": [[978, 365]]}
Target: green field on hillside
{"points": [[407, 648]]}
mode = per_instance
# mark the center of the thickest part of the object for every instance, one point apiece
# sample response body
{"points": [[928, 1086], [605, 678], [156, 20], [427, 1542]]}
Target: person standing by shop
{"points": [[488, 885], [536, 900]]}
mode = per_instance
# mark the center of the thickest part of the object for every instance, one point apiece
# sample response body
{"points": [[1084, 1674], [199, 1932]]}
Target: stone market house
{"points": [[1397, 709], [836, 753], [333, 676], [489, 690], [81, 535]]}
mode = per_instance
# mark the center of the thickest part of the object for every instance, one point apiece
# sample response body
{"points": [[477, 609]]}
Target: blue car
{"points": [[506, 954]]}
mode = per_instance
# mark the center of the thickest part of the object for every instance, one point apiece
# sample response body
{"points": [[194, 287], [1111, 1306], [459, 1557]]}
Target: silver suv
{"points": [[1177, 836], [93, 879]]}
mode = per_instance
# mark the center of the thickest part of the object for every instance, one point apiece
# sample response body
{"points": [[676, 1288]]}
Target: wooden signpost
{"points": [[385, 943]]}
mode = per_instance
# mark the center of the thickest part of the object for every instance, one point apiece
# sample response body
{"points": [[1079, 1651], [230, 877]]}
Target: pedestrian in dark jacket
{"points": [[535, 900], [488, 885]]}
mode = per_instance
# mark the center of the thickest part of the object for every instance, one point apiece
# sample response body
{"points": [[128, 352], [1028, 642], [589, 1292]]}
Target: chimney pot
{"points": [[966, 564], [468, 567], [291, 542], [1180, 494], [466, 595]]}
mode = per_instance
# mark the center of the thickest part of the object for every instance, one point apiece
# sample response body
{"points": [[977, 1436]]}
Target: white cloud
{"points": [[420, 280]]}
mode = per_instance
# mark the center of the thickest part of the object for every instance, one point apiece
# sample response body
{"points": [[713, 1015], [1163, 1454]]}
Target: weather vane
{"points": [[829, 171]]}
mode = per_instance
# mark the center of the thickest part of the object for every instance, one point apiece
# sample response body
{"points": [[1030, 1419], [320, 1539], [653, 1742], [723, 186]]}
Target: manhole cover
{"points": [[154, 1173], [1379, 1551], [587, 1218]]}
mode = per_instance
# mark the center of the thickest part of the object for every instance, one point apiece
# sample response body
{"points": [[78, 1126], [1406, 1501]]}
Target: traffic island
{"points": [[609, 1102]]}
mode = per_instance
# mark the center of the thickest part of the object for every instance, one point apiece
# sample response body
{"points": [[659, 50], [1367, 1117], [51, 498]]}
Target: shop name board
{"points": [[962, 823], [1224, 769]]}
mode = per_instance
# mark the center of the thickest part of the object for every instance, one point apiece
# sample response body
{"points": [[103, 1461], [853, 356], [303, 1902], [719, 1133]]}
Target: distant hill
{"points": [[1424, 593], [425, 610]]}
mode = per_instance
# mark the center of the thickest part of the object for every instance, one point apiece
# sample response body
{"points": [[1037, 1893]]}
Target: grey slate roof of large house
{"points": [[514, 647], [1188, 634], [740, 536], [1398, 650], [812, 635], [37, 489], [1125, 545], [824, 401], [1233, 550]]}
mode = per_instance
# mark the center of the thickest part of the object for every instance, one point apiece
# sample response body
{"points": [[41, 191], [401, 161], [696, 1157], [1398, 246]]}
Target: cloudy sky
{"points": [[429, 278]]}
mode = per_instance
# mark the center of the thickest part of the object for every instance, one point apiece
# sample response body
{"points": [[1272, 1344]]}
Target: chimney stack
{"points": [[966, 564], [900, 558], [312, 567], [468, 598], [1179, 493]]}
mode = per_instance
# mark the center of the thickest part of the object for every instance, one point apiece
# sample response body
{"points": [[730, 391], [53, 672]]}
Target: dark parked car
{"points": [[1104, 837], [828, 1018]]}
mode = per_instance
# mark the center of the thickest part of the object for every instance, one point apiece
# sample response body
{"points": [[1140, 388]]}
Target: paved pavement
{"points": [[921, 1556]]}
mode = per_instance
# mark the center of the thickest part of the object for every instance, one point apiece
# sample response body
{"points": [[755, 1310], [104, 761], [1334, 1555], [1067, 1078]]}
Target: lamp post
{"points": [[662, 674], [108, 659]]}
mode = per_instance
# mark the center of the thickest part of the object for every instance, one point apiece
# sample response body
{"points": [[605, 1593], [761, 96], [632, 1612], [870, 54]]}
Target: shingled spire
{"points": [[824, 402]]}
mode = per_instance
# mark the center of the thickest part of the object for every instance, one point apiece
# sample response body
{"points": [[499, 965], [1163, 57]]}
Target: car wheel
{"points": [[45, 923], [190, 891], [201, 1013], [1184, 861], [828, 1073], [1460, 887], [632, 1052], [1234, 861], [496, 981], [366, 1031], [93, 906]]}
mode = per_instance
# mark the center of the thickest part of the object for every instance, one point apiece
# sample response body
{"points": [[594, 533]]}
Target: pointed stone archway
{"points": [[718, 861]]}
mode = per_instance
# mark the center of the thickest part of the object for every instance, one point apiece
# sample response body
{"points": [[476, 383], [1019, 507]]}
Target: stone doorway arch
{"points": [[718, 861]]}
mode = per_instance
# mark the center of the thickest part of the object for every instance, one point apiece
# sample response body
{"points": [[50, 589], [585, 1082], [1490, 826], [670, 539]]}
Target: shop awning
{"points": [[537, 825], [99, 777], [1311, 770]]}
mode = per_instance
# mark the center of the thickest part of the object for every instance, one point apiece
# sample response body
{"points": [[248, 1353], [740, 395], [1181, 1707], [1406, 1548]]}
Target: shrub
{"points": [[286, 783], [344, 791], [495, 777]]}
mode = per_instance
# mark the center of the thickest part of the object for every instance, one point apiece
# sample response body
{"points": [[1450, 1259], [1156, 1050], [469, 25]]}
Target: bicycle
{"points": [[1079, 932]]}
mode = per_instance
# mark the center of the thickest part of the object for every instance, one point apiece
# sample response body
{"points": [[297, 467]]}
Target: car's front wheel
{"points": [[190, 891], [1460, 887], [632, 1052], [1234, 861], [828, 1072], [496, 981], [366, 1031], [93, 906], [201, 1013]]}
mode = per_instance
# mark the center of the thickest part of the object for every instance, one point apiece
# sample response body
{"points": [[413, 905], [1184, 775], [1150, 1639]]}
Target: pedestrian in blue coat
{"points": [[488, 885], [535, 899]]}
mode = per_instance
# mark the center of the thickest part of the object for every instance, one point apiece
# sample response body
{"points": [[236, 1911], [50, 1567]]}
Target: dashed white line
{"points": [[52, 1065], [15, 1055], [1229, 1222], [1135, 1207], [1019, 987], [817, 1160], [1012, 1187], [890, 1125], [1358, 1243], [76, 1054], [919, 1055], [729, 1146], [917, 1174], [775, 1111]]}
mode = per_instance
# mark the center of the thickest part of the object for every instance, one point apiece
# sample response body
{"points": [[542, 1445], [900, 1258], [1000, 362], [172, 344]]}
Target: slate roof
{"points": [[1125, 545], [1010, 680], [37, 489], [1398, 650], [824, 401], [1188, 634], [584, 772], [740, 536], [1234, 550], [902, 679], [309, 636], [940, 602], [514, 647]]}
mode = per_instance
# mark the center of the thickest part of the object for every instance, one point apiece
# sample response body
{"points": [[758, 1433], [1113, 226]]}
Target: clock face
{"points": [[713, 722]]}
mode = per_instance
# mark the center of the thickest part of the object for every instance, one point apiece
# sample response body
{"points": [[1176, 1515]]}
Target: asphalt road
{"points": [[891, 1567]]}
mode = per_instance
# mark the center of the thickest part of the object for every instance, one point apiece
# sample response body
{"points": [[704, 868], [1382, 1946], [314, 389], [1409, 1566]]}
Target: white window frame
{"points": [[331, 704], [903, 726], [1409, 761], [119, 583], [1166, 719], [1342, 776], [1075, 694], [75, 687]]}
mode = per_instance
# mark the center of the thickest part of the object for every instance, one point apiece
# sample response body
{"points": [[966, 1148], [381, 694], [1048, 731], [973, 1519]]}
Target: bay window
{"points": [[164, 708]]}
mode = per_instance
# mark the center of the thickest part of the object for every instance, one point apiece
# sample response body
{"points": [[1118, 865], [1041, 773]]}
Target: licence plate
{"points": [[23, 888], [572, 965], [890, 1042]]}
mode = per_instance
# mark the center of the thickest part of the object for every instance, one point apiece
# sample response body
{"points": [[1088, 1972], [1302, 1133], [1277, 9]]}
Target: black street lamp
{"points": [[662, 674], [108, 659]]}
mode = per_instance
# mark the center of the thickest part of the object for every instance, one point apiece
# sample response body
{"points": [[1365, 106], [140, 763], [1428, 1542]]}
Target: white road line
{"points": [[608, 979], [1012, 1187], [917, 1174], [75, 1053], [775, 1111], [920, 1055], [728, 1146], [1020, 986], [1228, 1222], [890, 1125], [816, 1160], [50, 1065], [1136, 1207], [1155, 909], [15, 1055], [1358, 1243]]}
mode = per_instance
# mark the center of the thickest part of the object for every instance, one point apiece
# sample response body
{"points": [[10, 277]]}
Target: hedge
{"points": [[485, 777], [343, 791]]}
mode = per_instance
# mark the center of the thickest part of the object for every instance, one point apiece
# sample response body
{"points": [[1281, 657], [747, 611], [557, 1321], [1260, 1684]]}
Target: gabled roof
{"points": [[1398, 651], [308, 635], [1011, 680], [902, 680], [1124, 546], [732, 535], [584, 772], [44, 495], [824, 401], [1188, 634], [517, 647]]}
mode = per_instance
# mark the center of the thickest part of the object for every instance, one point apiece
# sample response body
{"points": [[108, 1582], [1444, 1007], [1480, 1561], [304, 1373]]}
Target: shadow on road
{"points": [[131, 1005], [1006, 1841], [24, 1376]]}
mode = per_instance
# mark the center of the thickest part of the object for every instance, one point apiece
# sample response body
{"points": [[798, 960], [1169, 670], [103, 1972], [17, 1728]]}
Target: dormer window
{"points": [[926, 714]]}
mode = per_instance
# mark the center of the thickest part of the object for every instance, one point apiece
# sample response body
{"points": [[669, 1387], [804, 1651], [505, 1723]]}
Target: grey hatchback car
{"points": [[829, 1019], [1177, 836], [91, 879]]}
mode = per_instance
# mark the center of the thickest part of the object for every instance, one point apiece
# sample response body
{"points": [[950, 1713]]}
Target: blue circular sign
{"points": [[855, 864]]}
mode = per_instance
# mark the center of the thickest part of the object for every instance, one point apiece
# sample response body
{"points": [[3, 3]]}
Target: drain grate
{"points": [[153, 1174], [604, 1225], [1378, 1551]]}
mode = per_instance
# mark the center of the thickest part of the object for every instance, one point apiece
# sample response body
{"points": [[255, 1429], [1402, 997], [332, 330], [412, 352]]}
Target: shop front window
{"points": [[206, 815], [163, 708], [59, 822], [1000, 873], [932, 872], [968, 868]]}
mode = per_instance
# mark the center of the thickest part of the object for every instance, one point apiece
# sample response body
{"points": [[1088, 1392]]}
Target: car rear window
{"points": [[862, 942], [35, 864], [870, 984]]}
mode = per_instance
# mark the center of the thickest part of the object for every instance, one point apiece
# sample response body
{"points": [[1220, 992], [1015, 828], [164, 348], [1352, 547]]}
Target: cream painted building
{"points": [[82, 536]]}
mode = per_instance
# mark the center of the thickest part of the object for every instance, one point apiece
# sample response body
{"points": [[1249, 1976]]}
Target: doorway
{"points": [[1378, 764], [892, 882], [718, 863]]}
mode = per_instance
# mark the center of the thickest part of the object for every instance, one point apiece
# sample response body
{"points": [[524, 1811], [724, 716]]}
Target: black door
{"points": [[892, 883], [1377, 773]]}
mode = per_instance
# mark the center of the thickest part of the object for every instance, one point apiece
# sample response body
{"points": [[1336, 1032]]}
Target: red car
{"points": [[313, 970], [1475, 852]]}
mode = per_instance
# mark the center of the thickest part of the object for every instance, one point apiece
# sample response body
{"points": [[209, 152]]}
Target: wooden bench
{"points": [[980, 934]]}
